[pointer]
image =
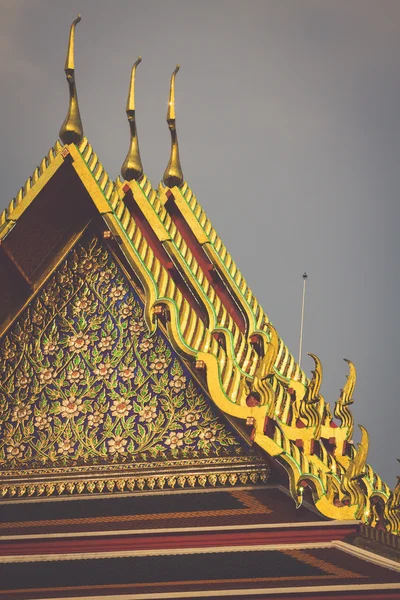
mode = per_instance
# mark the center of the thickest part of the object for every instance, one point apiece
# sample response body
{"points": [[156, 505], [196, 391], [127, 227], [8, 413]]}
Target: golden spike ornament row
{"points": [[132, 169], [167, 481]]}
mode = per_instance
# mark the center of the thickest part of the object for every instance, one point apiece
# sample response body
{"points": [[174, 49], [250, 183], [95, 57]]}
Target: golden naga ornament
{"points": [[173, 175], [71, 131], [132, 167], [311, 406], [350, 484], [342, 411]]}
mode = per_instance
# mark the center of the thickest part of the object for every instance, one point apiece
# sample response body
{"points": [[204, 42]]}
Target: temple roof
{"points": [[192, 290]]}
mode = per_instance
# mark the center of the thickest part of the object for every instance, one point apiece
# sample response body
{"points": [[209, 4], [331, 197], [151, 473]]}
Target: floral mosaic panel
{"points": [[82, 381]]}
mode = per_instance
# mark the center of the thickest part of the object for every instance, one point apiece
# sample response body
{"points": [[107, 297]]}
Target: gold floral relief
{"points": [[83, 383]]}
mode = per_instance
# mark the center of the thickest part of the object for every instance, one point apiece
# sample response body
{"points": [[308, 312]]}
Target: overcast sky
{"points": [[288, 123]]}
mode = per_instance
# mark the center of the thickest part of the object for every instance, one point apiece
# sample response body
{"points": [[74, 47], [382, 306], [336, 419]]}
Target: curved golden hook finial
{"points": [[171, 104], [173, 173], [360, 459], [342, 410], [354, 473], [348, 389], [316, 381], [71, 130], [132, 167]]}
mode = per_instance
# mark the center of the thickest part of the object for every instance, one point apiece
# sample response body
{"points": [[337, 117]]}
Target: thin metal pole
{"points": [[302, 316]]}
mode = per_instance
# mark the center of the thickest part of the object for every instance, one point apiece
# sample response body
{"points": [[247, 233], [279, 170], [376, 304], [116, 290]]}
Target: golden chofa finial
{"points": [[72, 130], [132, 167], [173, 173]]}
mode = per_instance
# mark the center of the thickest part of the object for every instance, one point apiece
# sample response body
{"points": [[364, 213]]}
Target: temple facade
{"points": [[156, 433]]}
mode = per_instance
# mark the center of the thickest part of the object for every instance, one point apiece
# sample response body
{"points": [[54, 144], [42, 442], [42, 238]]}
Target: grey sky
{"points": [[288, 123]]}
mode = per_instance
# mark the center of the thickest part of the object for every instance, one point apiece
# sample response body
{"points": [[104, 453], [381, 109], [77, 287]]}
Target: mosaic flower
{"points": [[190, 418], [37, 318], [159, 365], [8, 353], [86, 265], [177, 383], [51, 296], [21, 413], [125, 310], [23, 337], [208, 435], [117, 292], [42, 421], [75, 375], [71, 407], [105, 343], [81, 304], [146, 344], [15, 450], [23, 380], [120, 408], [126, 372], [49, 348], [148, 413], [65, 447], [79, 342], [117, 445], [175, 440], [95, 419], [105, 276], [46, 375], [137, 327], [103, 370]]}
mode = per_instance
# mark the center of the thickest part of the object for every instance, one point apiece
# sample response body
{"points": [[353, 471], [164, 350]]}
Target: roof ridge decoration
{"points": [[97, 170], [72, 130], [173, 175], [220, 321], [324, 475], [132, 167], [202, 228]]}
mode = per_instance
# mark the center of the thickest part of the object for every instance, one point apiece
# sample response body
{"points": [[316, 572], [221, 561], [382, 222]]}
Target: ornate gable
{"points": [[85, 389]]}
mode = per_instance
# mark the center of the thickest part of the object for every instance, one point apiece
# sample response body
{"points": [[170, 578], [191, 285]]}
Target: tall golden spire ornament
{"points": [[71, 130], [132, 167], [173, 175]]}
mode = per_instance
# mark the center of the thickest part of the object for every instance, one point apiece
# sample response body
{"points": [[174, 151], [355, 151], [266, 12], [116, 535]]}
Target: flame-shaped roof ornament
{"points": [[72, 130], [132, 167], [173, 173]]}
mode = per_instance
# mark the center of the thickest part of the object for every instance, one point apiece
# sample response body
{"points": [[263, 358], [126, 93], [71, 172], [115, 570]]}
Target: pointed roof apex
{"points": [[173, 173], [71, 130], [132, 167]]}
